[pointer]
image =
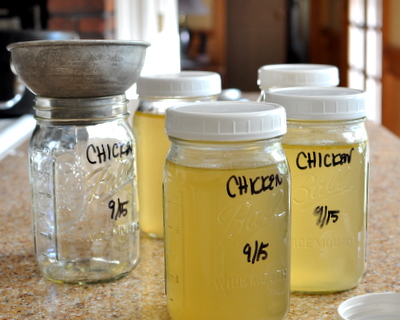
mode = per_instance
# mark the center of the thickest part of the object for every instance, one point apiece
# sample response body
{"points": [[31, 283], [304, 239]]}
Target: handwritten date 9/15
{"points": [[118, 210], [255, 253], [325, 215]]}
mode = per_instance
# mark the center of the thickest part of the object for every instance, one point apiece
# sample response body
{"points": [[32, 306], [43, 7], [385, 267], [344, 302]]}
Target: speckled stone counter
{"points": [[25, 294]]}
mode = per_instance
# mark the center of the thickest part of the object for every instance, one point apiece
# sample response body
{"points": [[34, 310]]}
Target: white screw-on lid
{"points": [[226, 121], [297, 75], [371, 306], [181, 84], [317, 103]]}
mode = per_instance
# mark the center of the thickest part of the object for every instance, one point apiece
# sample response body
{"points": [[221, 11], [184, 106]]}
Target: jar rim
{"points": [[81, 109]]}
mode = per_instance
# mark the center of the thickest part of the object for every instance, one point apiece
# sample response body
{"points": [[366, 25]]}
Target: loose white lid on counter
{"points": [[180, 84], [226, 121], [297, 75], [374, 306], [318, 103]]}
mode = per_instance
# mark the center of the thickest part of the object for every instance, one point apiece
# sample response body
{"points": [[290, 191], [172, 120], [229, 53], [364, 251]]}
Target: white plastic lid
{"points": [[374, 306], [297, 75], [226, 121], [181, 84], [317, 103]]}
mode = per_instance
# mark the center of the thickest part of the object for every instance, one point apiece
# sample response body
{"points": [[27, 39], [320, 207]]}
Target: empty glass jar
{"points": [[83, 180]]}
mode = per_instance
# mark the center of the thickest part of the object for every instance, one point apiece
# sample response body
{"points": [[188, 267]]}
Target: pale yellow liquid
{"points": [[152, 148], [332, 257], [207, 273]]}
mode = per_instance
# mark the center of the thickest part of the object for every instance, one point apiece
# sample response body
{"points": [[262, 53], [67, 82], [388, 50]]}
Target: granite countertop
{"points": [[25, 294]]}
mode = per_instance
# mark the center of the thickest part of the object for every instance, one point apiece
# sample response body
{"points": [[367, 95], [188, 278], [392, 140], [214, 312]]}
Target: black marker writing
{"points": [[104, 152], [253, 186], [314, 159], [324, 215], [119, 210], [259, 251]]}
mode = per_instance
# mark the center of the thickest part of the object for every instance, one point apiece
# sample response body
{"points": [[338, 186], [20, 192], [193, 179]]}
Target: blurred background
{"points": [[236, 37]]}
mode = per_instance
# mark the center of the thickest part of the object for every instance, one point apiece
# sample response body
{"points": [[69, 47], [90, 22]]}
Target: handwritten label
{"points": [[324, 215], [257, 201], [258, 252], [103, 152], [314, 159], [244, 185], [118, 210]]}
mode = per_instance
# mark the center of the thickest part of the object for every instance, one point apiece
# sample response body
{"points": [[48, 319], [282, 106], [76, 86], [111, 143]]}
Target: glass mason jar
{"points": [[226, 202], [156, 94], [82, 175], [296, 75], [327, 149]]}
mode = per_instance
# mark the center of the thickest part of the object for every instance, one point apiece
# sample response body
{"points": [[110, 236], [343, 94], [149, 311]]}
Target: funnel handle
{"points": [[4, 105], [20, 90]]}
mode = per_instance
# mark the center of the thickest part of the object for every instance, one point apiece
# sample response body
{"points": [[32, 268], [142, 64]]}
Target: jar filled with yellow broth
{"points": [[156, 94], [226, 212], [327, 149], [273, 76]]}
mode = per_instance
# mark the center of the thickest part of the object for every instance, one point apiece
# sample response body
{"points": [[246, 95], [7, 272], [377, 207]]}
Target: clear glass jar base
{"points": [[85, 271]]}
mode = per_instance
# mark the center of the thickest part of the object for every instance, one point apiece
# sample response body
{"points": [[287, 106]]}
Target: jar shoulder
{"points": [[158, 105], [303, 133], [227, 155], [56, 136]]}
